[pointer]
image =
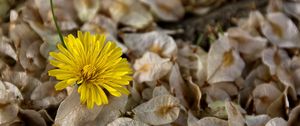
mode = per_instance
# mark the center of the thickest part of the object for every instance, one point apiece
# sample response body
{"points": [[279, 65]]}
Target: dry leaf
{"points": [[64, 12], [274, 58], [206, 121], [252, 23], [264, 95], [7, 49], [155, 41], [72, 113], [223, 62], [160, 110], [277, 122], [250, 46], [160, 90], [281, 31], [126, 122], [32, 117], [235, 117], [177, 85], [130, 12], [166, 10], [151, 67], [258, 120], [110, 112], [8, 112], [292, 8], [214, 93], [294, 116], [86, 9]]}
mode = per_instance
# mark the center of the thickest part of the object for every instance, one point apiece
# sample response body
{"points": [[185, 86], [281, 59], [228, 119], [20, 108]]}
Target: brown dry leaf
{"points": [[206, 121], [101, 24], [274, 58], [23, 81], [151, 67], [160, 90], [252, 23], [110, 112], [294, 116], [275, 6], [277, 122], [7, 49], [8, 113], [126, 122], [250, 46], [278, 108], [223, 62], [296, 77], [292, 8], [86, 9], [32, 60], [281, 31], [235, 117], [72, 113], [194, 60], [196, 94], [64, 12], [214, 93], [155, 41], [166, 10], [230, 88], [160, 110], [130, 12], [32, 117], [177, 85], [9, 93], [44, 95], [264, 95], [217, 109], [258, 120]]}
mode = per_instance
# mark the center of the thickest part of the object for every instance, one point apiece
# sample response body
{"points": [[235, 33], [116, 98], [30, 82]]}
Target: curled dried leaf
{"points": [[264, 95], [281, 31], [277, 122], [130, 12], [155, 41], [9, 93], [7, 49], [151, 67], [250, 46], [167, 10], [206, 121], [8, 112], [72, 113], [223, 62], [160, 110], [294, 116], [110, 112], [86, 9], [292, 8], [274, 58], [160, 90], [126, 122], [235, 117], [259, 120], [32, 117]]}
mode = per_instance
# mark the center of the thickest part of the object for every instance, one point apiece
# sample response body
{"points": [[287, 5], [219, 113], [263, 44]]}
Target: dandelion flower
{"points": [[93, 64]]}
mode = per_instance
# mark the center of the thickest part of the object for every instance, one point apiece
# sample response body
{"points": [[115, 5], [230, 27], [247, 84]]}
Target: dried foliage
{"points": [[250, 75]]}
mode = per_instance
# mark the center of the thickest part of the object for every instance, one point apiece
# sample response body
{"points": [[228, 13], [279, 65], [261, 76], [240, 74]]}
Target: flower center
{"points": [[88, 73]]}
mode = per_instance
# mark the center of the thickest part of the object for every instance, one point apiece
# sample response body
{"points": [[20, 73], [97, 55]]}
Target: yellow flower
{"points": [[94, 65]]}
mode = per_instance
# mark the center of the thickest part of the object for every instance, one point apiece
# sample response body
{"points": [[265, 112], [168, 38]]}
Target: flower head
{"points": [[93, 64]]}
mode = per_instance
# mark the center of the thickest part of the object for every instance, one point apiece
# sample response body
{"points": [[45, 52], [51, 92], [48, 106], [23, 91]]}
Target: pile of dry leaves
{"points": [[250, 75]]}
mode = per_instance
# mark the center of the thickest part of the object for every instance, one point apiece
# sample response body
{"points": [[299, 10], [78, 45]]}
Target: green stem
{"points": [[56, 25]]}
